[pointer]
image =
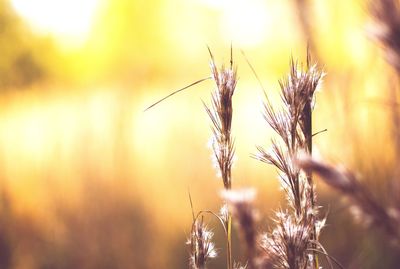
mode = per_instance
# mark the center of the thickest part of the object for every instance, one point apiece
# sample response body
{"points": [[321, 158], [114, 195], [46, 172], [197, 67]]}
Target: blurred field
{"points": [[89, 180]]}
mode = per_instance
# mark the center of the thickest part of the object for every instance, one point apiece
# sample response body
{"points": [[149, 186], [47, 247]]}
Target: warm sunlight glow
{"points": [[69, 20], [243, 22], [90, 178]]}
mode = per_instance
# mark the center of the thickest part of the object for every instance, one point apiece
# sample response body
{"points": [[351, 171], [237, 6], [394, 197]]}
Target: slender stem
{"points": [[229, 242], [308, 136], [229, 220], [396, 134]]}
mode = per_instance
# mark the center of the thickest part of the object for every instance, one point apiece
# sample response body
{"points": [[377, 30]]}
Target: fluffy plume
{"points": [[293, 125], [286, 246], [220, 114], [239, 266], [201, 247], [296, 230], [364, 206]]}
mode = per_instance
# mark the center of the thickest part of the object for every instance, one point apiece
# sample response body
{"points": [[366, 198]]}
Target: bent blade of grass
{"points": [[177, 91]]}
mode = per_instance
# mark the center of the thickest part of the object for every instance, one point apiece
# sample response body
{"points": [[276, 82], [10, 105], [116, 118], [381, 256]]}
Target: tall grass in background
{"points": [[367, 207]]}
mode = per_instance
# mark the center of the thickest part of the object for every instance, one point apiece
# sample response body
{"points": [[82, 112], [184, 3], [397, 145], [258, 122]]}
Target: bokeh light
{"points": [[88, 179], [70, 21]]}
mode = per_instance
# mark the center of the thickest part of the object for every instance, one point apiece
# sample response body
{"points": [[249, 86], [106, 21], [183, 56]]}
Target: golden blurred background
{"points": [[90, 180]]}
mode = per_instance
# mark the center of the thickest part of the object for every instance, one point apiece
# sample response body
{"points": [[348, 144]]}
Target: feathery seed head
{"points": [[201, 247], [220, 113], [386, 28], [286, 246], [335, 177], [224, 212], [239, 266]]}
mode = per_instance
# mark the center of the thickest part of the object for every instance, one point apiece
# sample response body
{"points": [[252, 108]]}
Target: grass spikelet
{"points": [[201, 247], [287, 245], [293, 124], [220, 113]]}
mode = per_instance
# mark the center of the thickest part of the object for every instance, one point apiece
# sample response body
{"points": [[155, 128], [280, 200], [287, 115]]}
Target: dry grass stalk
{"points": [[386, 31], [293, 124], [241, 203], [220, 114], [386, 28], [201, 247], [372, 212]]}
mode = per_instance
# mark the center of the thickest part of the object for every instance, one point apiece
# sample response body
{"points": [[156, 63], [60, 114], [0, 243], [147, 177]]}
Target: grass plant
{"points": [[293, 241]]}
